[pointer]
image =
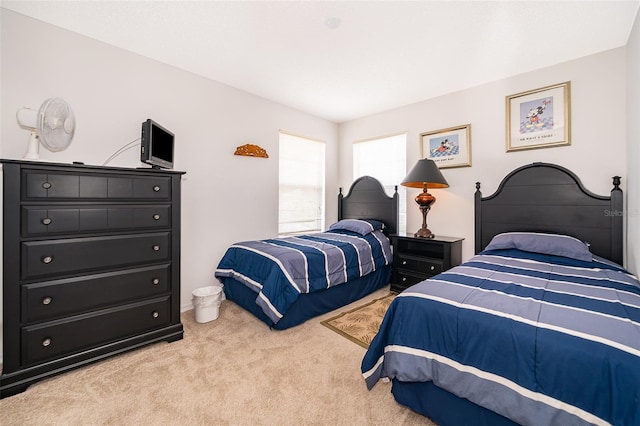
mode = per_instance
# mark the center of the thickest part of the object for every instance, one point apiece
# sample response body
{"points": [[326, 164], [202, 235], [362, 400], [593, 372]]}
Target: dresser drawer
{"points": [[420, 264], [57, 338], [53, 299], [39, 220], [78, 186], [64, 256]]}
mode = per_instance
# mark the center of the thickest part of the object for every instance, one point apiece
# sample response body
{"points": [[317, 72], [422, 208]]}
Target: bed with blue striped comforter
{"points": [[279, 270], [539, 339]]}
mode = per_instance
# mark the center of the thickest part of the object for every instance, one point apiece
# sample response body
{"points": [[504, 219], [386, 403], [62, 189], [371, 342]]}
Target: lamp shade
{"points": [[425, 172]]}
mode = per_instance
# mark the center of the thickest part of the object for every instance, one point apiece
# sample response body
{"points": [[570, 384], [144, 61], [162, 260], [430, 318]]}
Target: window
{"points": [[301, 199], [386, 160]]}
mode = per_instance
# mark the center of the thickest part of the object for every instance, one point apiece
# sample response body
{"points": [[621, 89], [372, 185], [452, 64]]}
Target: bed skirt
{"points": [[308, 305], [443, 407]]}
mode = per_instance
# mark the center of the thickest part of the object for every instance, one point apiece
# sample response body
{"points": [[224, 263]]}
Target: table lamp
{"points": [[425, 174]]}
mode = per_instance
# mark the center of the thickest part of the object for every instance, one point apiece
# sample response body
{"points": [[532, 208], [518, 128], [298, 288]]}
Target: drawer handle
{"points": [[404, 279], [156, 248], [156, 217], [156, 188], [46, 185], [155, 314], [404, 262], [156, 281], [46, 342], [47, 300], [433, 267], [47, 259], [46, 221]]}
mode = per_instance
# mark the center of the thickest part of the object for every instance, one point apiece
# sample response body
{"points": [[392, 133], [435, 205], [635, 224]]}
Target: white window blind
{"points": [[302, 190], [385, 159]]}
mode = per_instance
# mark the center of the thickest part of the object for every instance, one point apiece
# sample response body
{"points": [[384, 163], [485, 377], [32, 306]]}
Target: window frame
{"points": [[320, 167], [389, 186]]}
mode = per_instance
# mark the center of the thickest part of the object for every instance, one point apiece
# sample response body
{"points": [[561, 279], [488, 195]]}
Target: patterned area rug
{"points": [[361, 324]]}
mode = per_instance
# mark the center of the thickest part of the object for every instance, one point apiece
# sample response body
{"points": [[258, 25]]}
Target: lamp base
{"points": [[424, 233]]}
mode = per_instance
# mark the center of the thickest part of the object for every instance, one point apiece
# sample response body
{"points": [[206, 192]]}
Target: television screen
{"points": [[157, 145]]}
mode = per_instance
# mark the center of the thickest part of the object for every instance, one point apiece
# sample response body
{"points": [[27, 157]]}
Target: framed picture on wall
{"points": [[539, 118], [448, 147]]}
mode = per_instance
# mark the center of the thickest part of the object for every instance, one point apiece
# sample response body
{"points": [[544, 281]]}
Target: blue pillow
{"points": [[360, 226], [554, 244]]}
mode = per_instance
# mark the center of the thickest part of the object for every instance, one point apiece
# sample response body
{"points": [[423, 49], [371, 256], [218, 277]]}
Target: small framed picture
{"points": [[448, 147], [539, 118]]}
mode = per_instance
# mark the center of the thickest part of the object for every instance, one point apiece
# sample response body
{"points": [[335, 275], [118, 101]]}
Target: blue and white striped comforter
{"points": [[539, 339], [279, 270]]}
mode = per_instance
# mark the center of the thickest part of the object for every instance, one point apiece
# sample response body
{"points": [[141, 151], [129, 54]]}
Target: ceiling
{"points": [[342, 60]]}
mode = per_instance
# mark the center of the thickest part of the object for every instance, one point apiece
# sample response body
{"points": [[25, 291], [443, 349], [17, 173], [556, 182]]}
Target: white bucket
{"points": [[206, 301]]}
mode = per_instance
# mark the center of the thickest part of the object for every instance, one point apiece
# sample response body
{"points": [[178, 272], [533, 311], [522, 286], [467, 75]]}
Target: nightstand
{"points": [[415, 259]]}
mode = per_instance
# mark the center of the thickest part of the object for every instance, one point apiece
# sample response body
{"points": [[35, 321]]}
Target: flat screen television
{"points": [[157, 145]]}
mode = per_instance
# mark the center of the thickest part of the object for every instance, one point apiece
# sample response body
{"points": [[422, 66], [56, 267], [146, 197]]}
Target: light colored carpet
{"points": [[360, 325], [231, 371]]}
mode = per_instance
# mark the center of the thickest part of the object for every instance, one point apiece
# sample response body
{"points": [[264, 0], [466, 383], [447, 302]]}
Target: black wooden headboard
{"points": [[542, 197], [367, 199]]}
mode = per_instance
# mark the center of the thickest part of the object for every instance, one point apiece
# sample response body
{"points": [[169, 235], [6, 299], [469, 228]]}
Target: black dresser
{"points": [[91, 266]]}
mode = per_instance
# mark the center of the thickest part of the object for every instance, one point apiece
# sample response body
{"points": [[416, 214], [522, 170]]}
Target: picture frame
{"points": [[449, 147], [539, 118]]}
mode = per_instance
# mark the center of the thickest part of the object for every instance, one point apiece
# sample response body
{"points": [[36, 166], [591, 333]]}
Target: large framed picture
{"points": [[448, 147], [539, 118]]}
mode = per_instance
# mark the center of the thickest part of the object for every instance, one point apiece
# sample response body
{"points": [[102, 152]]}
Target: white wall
{"points": [[597, 151], [633, 148], [225, 198], [228, 198]]}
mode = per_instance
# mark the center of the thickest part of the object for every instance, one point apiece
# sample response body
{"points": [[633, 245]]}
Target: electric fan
{"points": [[53, 126]]}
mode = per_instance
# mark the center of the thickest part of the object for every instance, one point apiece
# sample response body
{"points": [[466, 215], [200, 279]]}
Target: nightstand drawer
{"points": [[407, 279], [420, 264]]}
